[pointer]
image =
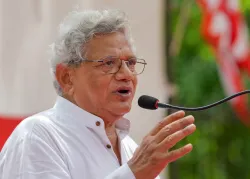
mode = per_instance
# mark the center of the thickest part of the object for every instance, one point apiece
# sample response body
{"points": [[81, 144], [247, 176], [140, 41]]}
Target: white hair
{"points": [[80, 27]]}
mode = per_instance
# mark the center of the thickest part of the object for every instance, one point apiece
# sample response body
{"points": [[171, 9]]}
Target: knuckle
{"points": [[161, 124], [152, 148], [169, 139], [147, 140], [149, 143], [167, 129], [183, 123], [184, 133]]}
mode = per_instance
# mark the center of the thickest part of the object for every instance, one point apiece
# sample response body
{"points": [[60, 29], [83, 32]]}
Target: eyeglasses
{"points": [[112, 64]]}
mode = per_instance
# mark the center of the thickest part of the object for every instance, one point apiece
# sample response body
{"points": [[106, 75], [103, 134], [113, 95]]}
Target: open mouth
{"points": [[123, 91]]}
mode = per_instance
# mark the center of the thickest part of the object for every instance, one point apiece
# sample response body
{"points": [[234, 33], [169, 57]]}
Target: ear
{"points": [[64, 78]]}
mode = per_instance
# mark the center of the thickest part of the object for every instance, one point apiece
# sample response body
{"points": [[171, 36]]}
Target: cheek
{"points": [[135, 81], [99, 85], [103, 84]]}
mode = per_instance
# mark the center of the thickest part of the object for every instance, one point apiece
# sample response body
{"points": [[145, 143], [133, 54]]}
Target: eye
{"points": [[109, 62], [132, 61]]}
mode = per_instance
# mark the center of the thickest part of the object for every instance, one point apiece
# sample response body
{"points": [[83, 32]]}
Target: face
{"points": [[106, 95]]}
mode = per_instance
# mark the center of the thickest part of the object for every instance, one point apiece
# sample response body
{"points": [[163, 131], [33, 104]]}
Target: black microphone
{"points": [[149, 102]]}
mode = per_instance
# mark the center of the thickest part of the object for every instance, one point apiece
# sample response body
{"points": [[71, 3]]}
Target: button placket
{"points": [[98, 123]]}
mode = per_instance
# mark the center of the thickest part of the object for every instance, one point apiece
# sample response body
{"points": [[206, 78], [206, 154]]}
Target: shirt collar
{"points": [[84, 118]]}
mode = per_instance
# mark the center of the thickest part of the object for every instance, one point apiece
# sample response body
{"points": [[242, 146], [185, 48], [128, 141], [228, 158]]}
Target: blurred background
{"points": [[208, 59], [197, 53]]}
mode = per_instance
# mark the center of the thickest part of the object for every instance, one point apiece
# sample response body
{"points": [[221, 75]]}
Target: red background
{"points": [[7, 125]]}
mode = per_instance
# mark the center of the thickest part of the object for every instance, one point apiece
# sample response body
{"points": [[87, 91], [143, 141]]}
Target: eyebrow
{"points": [[121, 57], [129, 57]]}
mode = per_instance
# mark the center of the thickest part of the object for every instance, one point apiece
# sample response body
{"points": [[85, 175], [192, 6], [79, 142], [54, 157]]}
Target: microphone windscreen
{"points": [[148, 102]]}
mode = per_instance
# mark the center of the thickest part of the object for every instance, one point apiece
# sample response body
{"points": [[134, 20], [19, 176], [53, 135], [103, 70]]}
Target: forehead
{"points": [[113, 44]]}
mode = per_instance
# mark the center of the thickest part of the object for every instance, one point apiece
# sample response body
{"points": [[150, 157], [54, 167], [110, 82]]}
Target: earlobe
{"points": [[71, 91]]}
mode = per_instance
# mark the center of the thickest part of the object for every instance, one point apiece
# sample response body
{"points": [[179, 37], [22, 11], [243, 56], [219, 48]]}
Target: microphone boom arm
{"points": [[161, 105]]}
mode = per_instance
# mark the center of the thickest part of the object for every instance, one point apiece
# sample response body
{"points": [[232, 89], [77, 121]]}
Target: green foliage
{"points": [[245, 5], [221, 142]]}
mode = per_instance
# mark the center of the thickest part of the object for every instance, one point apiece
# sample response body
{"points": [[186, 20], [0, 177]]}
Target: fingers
{"points": [[167, 120], [173, 127], [178, 153], [171, 140], [153, 153]]}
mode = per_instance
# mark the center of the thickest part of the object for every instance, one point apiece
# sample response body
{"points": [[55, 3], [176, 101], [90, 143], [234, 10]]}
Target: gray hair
{"points": [[80, 27]]}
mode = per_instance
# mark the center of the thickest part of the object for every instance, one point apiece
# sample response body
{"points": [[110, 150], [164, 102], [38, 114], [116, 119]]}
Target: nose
{"points": [[124, 72]]}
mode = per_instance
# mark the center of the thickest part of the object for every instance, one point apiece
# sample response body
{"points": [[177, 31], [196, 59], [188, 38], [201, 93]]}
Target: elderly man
{"points": [[85, 136]]}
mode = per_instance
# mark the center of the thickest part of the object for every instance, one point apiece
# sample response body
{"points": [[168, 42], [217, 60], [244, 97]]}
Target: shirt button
{"points": [[108, 146], [97, 123]]}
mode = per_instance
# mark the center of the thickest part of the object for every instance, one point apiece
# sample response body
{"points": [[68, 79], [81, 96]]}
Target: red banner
{"points": [[7, 125], [223, 27]]}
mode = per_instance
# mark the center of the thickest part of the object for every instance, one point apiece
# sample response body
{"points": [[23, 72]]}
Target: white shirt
{"points": [[65, 142]]}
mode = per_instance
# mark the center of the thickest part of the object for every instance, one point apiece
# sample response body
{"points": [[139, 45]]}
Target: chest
{"points": [[94, 156]]}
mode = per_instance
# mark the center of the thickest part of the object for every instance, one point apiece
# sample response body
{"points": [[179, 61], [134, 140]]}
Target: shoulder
{"points": [[30, 128], [32, 149], [36, 124]]}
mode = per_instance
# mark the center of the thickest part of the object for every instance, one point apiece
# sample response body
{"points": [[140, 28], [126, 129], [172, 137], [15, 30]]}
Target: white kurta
{"points": [[65, 142]]}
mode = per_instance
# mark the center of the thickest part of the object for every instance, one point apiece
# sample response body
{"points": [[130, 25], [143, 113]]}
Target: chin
{"points": [[121, 109]]}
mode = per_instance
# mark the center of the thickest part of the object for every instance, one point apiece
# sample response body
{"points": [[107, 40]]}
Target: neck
{"points": [[110, 128]]}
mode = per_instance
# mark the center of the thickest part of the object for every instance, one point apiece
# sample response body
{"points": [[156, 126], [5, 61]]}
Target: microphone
{"points": [[149, 102]]}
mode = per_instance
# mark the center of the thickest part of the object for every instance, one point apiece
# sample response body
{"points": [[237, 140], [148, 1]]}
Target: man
{"points": [[85, 135]]}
